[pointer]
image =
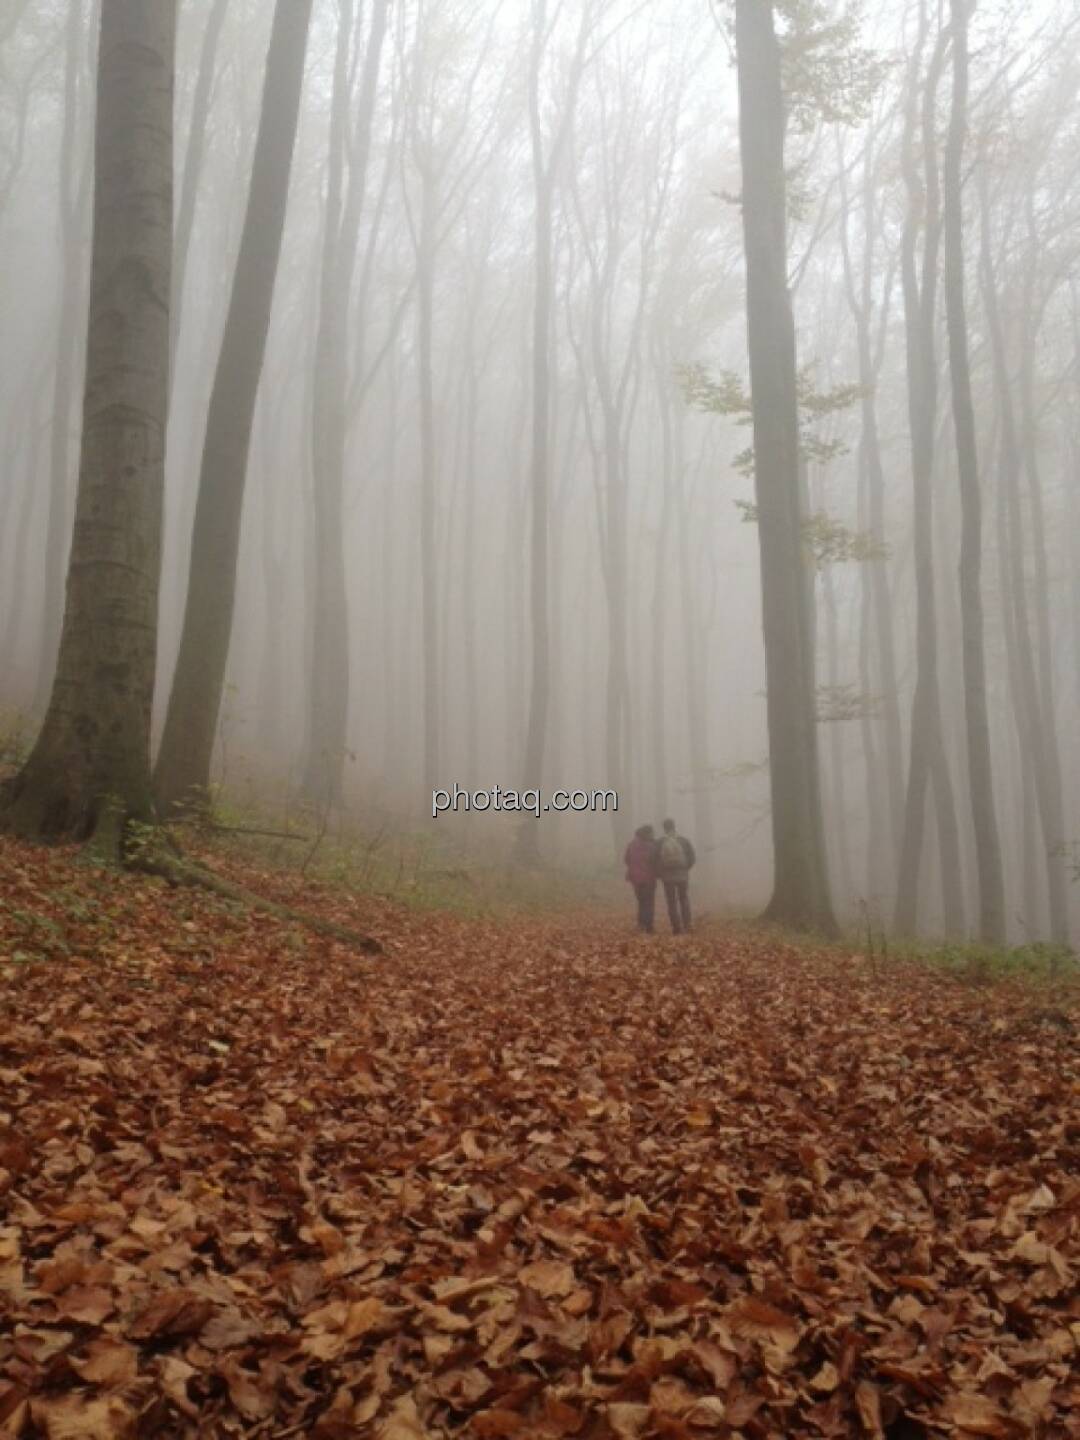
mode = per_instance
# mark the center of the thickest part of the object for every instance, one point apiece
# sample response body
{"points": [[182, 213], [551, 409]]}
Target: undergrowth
{"points": [[416, 868]]}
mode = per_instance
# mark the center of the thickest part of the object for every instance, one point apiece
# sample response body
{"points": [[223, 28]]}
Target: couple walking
{"points": [[668, 860]]}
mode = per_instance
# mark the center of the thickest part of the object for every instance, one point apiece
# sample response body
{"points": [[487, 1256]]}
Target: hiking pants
{"points": [[646, 905], [677, 895]]}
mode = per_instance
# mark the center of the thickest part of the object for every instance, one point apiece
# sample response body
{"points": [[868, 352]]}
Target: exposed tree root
{"points": [[182, 872], [156, 860], [109, 842]]}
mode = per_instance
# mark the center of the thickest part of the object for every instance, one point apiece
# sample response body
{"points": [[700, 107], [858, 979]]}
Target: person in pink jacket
{"points": [[640, 861]]}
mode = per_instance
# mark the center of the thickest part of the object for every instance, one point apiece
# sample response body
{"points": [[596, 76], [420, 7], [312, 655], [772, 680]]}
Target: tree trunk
{"points": [[193, 166], [182, 774], [660, 617], [429, 555], [877, 606], [1054, 819], [544, 171], [324, 764], [90, 768], [801, 894], [70, 294], [928, 764], [695, 665], [1037, 742], [838, 826], [11, 633], [980, 764]]}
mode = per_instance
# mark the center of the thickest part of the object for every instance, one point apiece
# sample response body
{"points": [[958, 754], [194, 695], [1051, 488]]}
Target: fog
{"points": [[500, 524]]}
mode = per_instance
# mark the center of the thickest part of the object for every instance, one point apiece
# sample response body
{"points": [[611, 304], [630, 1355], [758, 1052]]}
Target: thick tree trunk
{"points": [[182, 774], [801, 895], [90, 768], [980, 765]]}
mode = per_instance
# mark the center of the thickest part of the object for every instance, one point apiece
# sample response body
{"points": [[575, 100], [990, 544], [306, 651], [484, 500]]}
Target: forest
{"points": [[470, 476], [666, 415]]}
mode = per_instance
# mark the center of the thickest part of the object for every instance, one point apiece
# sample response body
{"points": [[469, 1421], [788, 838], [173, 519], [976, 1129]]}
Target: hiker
{"points": [[640, 861], [675, 858]]}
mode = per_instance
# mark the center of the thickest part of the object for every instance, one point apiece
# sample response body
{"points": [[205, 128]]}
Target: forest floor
{"points": [[517, 1177]]}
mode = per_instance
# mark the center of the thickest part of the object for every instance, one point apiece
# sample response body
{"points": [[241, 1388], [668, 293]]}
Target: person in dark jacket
{"points": [[640, 861], [675, 858]]}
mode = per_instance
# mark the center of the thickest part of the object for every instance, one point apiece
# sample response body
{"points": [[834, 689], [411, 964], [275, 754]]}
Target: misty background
{"points": [[623, 119]]}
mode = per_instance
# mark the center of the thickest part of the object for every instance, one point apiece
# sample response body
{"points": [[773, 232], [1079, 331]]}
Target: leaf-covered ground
{"points": [[532, 1179]]}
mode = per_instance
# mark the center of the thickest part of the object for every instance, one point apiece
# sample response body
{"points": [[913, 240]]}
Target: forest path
{"points": [[528, 1178]]}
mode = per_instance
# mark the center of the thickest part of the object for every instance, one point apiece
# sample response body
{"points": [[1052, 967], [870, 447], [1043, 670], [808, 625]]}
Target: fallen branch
{"points": [[155, 861]]}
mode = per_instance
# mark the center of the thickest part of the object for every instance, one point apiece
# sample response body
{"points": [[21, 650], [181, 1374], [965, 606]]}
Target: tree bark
{"points": [[429, 554], [980, 764], [182, 774], [875, 573], [89, 771], [324, 763], [928, 763], [1036, 754], [70, 294], [801, 895], [544, 172], [193, 166]]}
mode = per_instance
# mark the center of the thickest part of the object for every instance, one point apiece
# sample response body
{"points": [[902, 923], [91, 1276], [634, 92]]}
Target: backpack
{"points": [[671, 854]]}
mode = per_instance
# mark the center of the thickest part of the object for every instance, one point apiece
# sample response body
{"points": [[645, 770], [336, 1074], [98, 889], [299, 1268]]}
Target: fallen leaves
{"points": [[108, 1363], [518, 1180], [81, 1417], [172, 1313], [548, 1277]]}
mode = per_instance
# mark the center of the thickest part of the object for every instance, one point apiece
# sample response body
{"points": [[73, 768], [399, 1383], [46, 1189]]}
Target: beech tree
{"points": [[928, 765], [182, 773], [194, 156], [89, 771], [347, 179], [980, 768], [471, 509], [801, 893], [546, 154], [74, 196]]}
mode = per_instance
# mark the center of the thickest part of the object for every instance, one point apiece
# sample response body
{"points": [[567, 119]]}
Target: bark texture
{"points": [[182, 775], [90, 768], [801, 895]]}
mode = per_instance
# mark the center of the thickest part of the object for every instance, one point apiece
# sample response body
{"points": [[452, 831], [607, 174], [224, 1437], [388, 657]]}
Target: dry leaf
{"points": [[108, 1362], [550, 1278]]}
